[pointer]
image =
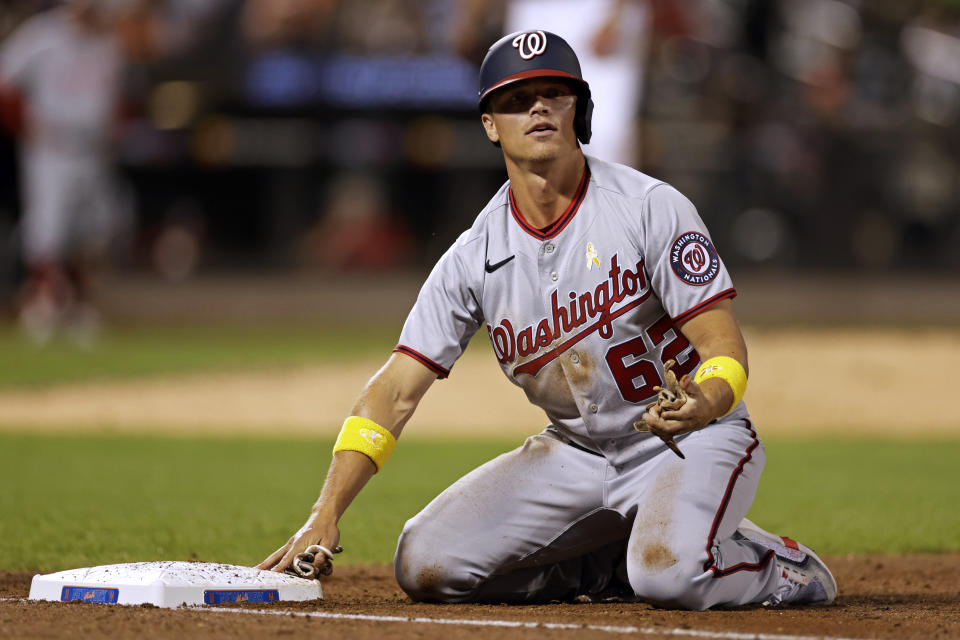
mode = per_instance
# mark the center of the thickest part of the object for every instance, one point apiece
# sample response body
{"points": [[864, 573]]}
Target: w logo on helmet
{"points": [[530, 44]]}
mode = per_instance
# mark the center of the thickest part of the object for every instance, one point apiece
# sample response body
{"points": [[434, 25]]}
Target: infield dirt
{"points": [[883, 597], [839, 381]]}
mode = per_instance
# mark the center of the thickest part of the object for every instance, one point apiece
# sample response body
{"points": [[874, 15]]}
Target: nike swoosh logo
{"points": [[493, 267]]}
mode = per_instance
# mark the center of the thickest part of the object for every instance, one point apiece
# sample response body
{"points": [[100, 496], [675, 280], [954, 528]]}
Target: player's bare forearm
{"points": [[389, 399], [349, 472], [714, 332], [393, 393]]}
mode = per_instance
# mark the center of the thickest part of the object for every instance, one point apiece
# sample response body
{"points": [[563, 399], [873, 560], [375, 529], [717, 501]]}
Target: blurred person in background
{"points": [[357, 229], [64, 66], [273, 23]]}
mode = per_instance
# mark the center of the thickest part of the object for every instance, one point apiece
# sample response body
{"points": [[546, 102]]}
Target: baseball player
{"points": [[591, 280], [66, 63]]}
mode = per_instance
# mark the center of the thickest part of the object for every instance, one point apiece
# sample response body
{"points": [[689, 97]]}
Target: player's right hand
{"points": [[316, 530], [695, 413]]}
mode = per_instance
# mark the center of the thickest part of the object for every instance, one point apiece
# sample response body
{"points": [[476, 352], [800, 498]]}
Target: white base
{"points": [[172, 584]]}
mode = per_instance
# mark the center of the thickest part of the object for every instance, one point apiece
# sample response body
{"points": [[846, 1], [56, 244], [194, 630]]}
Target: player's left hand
{"points": [[704, 403]]}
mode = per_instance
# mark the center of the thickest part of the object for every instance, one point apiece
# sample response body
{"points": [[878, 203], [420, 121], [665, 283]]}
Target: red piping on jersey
{"points": [[790, 543], [686, 315], [419, 357], [562, 221], [549, 227], [710, 564], [533, 366]]}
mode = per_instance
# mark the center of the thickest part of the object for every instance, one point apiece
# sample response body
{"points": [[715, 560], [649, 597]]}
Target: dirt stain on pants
{"points": [[651, 549]]}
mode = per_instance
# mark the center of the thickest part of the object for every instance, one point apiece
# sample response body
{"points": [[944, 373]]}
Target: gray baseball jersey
{"points": [[583, 315]]}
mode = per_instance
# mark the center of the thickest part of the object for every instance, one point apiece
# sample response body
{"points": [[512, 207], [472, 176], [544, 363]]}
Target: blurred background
{"points": [[203, 148]]}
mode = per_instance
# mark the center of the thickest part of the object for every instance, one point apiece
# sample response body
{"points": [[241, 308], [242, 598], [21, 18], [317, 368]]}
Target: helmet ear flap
{"points": [[583, 119]]}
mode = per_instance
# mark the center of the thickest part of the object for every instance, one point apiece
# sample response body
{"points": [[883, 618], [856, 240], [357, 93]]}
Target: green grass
{"points": [[858, 496], [72, 501], [144, 351], [75, 501]]}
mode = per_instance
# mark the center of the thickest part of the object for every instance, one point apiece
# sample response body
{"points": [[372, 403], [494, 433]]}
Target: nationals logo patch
{"points": [[694, 259]]}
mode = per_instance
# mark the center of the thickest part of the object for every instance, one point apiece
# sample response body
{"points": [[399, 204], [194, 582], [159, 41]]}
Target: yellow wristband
{"points": [[726, 369], [367, 437]]}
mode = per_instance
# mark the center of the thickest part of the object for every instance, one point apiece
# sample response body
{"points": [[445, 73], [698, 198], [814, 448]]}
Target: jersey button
{"points": [[593, 408], [554, 276], [548, 248], [575, 359]]}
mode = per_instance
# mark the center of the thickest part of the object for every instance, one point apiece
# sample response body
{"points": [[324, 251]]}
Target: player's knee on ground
{"points": [[425, 571], [667, 575]]}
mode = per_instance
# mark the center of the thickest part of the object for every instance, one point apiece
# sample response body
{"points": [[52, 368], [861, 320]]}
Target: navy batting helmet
{"points": [[536, 54]]}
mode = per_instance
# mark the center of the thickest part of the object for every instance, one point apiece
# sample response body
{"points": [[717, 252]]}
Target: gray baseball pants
{"points": [[549, 521]]}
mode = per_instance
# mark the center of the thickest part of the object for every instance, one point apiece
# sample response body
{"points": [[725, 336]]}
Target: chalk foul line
{"points": [[518, 624], [508, 624]]}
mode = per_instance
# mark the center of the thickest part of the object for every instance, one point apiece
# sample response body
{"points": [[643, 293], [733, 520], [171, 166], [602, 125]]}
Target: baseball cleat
{"points": [[803, 577]]}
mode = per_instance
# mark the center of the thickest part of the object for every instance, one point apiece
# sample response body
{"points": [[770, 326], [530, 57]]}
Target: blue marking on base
{"points": [[243, 595], [90, 594]]}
